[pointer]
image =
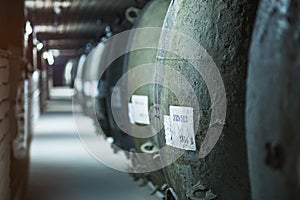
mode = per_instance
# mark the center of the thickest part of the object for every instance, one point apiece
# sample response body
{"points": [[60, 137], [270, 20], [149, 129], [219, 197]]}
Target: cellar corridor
{"points": [[62, 169], [150, 100]]}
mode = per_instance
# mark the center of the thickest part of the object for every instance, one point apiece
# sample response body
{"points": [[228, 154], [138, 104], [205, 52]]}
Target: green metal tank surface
{"points": [[78, 80], [92, 76], [102, 111], [122, 141], [94, 100], [273, 102], [223, 29], [152, 16], [85, 82]]}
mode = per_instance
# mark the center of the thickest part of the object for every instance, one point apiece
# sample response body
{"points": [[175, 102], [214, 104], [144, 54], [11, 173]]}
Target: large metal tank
{"points": [[79, 75], [91, 73], [152, 16], [273, 102], [94, 94], [223, 29], [83, 83], [114, 71], [70, 72]]}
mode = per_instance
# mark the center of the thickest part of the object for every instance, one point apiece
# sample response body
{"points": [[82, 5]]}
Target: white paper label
{"points": [[116, 97], [168, 132], [130, 113], [102, 89], [140, 109], [182, 128], [94, 88], [87, 88]]}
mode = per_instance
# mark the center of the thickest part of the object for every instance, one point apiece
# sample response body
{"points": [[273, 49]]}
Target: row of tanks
{"points": [[203, 97]]}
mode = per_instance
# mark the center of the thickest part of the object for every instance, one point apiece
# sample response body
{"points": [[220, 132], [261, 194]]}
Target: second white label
{"points": [[182, 127]]}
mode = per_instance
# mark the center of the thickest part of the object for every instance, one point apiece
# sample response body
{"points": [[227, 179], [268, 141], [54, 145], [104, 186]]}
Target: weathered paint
{"points": [[223, 28], [113, 73], [152, 16]]}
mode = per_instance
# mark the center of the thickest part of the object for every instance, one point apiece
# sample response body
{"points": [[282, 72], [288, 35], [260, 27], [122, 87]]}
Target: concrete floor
{"points": [[61, 169]]}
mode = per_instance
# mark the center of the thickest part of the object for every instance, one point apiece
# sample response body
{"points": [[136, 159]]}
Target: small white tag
{"points": [[168, 132], [102, 89], [116, 97], [130, 114], [140, 109], [94, 88], [182, 127], [87, 88]]}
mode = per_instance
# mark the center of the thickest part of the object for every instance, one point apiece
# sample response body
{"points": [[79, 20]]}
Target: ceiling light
{"points": [[50, 59], [66, 4], [28, 28], [45, 55], [54, 52], [41, 4], [107, 29], [39, 46], [57, 10]]}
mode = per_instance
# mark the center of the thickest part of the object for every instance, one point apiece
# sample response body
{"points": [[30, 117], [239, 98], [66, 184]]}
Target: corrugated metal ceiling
{"points": [[78, 20]]}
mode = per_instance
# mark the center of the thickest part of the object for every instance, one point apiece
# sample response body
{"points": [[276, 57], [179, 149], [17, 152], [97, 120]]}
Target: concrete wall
{"points": [[5, 139]]}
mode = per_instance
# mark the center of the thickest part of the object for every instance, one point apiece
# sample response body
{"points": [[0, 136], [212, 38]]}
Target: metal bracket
{"points": [[149, 147], [132, 13], [171, 194], [206, 194]]}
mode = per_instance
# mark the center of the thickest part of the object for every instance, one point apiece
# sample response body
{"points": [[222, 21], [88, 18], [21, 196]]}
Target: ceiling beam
{"points": [[69, 31], [69, 52], [67, 43], [70, 27], [56, 36]]}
